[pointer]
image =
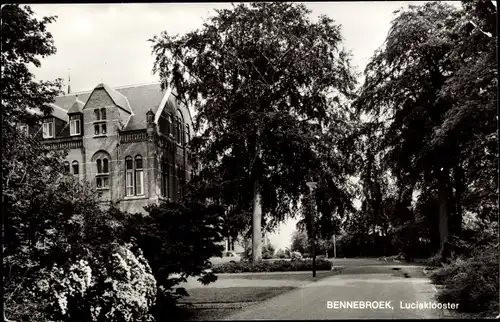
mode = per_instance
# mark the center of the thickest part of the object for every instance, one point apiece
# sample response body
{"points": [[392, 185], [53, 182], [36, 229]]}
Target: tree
{"points": [[300, 242], [24, 40], [264, 79], [177, 238], [25, 163], [403, 81]]}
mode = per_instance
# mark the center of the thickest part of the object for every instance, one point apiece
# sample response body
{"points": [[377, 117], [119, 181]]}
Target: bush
{"points": [[123, 290], [268, 252], [281, 254], [275, 266], [472, 283]]}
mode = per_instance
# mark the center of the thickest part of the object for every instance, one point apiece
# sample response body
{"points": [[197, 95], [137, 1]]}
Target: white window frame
{"points": [[139, 176], [48, 127], [102, 176], [129, 177], [139, 182], [74, 127]]}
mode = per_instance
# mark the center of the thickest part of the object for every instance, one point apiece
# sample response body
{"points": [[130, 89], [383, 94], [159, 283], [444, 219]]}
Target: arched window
{"points": [[170, 124], [76, 168], [188, 134], [179, 125], [134, 176], [139, 176], [129, 176], [101, 160], [66, 167]]}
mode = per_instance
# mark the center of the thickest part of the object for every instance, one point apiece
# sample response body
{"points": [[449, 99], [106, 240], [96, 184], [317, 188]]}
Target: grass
{"points": [[306, 276], [233, 294], [194, 314]]}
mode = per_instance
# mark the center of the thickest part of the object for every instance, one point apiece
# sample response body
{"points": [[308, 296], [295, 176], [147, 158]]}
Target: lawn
{"points": [[233, 294], [303, 276]]}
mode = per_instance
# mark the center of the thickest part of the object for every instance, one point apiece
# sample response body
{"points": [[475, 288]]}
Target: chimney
{"points": [[69, 82]]}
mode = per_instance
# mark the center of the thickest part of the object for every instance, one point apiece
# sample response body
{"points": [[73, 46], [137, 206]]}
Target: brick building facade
{"points": [[128, 142]]}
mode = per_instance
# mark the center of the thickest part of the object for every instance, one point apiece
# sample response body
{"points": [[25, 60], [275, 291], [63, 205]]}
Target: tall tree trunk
{"points": [[443, 211], [257, 206], [257, 224]]}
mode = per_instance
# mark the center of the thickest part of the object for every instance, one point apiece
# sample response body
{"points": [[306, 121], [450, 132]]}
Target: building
{"points": [[128, 142]]}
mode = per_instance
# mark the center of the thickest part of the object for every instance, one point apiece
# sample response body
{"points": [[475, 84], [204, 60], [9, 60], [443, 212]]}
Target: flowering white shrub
{"points": [[124, 291], [130, 288]]}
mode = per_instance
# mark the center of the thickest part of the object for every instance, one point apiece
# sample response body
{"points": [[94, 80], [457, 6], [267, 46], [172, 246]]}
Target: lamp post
{"points": [[312, 187]]}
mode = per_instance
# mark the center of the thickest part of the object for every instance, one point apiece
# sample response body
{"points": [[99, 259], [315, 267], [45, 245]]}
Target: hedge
{"points": [[274, 266]]}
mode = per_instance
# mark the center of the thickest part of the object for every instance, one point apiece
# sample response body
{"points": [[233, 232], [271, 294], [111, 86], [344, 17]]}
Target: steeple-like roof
{"points": [[116, 96]]}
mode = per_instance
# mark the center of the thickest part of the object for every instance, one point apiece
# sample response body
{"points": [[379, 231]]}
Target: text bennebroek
{"points": [[377, 305], [387, 305]]}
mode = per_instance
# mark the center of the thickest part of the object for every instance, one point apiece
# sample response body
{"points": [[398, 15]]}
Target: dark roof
{"points": [[59, 112], [141, 99], [76, 107]]}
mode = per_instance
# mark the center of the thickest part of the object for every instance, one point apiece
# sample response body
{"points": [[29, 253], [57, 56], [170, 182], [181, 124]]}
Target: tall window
{"points": [[76, 168], [179, 128], [129, 176], [164, 179], [100, 127], [139, 176], [74, 125], [134, 176], [170, 124], [48, 129], [102, 177], [66, 167]]}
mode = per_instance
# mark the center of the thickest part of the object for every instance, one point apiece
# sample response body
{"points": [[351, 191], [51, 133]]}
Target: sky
{"points": [[109, 42]]}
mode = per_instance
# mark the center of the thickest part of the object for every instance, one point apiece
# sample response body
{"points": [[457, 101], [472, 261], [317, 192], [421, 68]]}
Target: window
{"points": [[74, 127], [100, 129], [97, 114], [170, 125], [179, 128], [134, 176], [139, 176], [102, 177], [129, 176], [188, 134], [66, 167], [76, 168], [48, 129], [103, 113], [164, 179]]}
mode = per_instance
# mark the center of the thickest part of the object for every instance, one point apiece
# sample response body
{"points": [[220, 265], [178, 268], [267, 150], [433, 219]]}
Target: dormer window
{"points": [[75, 125], [48, 129]]}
